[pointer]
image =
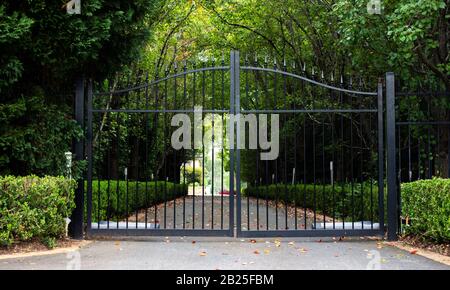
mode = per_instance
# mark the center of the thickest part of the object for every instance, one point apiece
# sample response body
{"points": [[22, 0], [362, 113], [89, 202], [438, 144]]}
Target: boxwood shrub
{"points": [[426, 204], [109, 198], [362, 204], [34, 208]]}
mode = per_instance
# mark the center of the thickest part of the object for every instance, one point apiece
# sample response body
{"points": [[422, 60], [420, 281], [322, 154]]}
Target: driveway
{"points": [[228, 253], [214, 212]]}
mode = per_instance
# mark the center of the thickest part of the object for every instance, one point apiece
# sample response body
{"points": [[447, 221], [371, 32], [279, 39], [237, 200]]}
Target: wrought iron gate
{"points": [[327, 180]]}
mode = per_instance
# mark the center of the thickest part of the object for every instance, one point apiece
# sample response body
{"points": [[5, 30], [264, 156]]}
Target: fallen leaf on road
{"points": [[266, 251], [277, 243], [413, 252], [193, 242], [256, 252], [202, 254], [291, 243], [303, 250], [253, 241]]}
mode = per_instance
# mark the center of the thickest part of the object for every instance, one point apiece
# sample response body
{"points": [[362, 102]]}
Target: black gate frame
{"points": [[235, 108], [313, 232]]}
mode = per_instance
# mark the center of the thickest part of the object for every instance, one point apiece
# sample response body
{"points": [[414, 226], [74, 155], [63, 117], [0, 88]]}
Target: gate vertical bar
{"points": [[76, 225], [237, 112], [381, 163], [231, 141], [89, 156], [391, 158]]}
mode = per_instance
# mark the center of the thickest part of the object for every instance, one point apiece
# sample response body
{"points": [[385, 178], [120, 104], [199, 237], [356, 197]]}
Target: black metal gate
{"points": [[327, 178]]}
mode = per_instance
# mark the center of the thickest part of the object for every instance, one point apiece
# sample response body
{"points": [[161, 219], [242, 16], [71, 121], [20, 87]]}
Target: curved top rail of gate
{"points": [[163, 79], [245, 67], [324, 85]]}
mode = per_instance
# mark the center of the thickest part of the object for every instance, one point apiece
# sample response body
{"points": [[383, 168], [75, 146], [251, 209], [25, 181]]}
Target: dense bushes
{"points": [[112, 197], [34, 208], [34, 136], [363, 206], [426, 204]]}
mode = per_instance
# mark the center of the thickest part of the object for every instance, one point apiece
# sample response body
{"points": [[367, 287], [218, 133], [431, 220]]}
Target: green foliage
{"points": [[407, 35], [34, 208], [42, 45], [34, 136], [109, 199], [362, 204], [426, 204], [13, 29]]}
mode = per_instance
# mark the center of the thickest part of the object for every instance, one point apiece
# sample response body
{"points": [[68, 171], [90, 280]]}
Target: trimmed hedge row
{"points": [[362, 204], [34, 208], [113, 202], [426, 204]]}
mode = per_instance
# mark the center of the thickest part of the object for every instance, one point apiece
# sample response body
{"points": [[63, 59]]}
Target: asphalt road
{"points": [[228, 253]]}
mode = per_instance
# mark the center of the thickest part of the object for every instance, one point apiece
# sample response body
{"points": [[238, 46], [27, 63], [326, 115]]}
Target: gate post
{"points": [[76, 225], [381, 161], [234, 152], [392, 193]]}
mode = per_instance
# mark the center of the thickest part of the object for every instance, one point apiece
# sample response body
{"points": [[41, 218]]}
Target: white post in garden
{"points": [[67, 220], [293, 176], [69, 164], [69, 156], [332, 172]]}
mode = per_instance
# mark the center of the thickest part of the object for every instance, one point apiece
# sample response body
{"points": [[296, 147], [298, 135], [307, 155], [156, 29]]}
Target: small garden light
{"points": [[69, 164]]}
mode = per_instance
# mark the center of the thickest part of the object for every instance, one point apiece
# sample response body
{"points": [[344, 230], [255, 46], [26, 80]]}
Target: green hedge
{"points": [[426, 204], [34, 208], [303, 195], [139, 197]]}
